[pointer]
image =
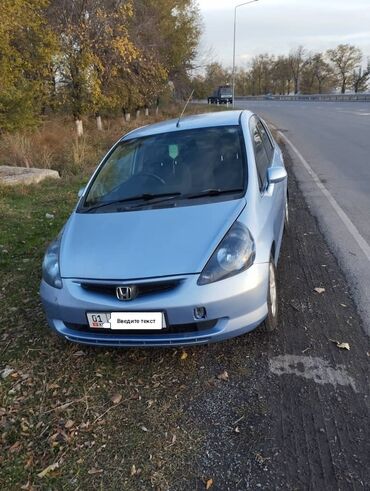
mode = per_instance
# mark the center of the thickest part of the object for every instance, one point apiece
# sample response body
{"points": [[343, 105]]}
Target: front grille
{"points": [[142, 288], [171, 329]]}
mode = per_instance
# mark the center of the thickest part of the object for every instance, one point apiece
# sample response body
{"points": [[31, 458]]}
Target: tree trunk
{"points": [[79, 127], [127, 117], [99, 123], [146, 112], [137, 113]]}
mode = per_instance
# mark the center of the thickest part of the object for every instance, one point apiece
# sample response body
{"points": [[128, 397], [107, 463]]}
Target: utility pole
{"points": [[234, 44]]}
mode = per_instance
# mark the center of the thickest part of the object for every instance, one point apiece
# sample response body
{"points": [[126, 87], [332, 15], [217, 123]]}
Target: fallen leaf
{"points": [[48, 469], [343, 346], [223, 376], [16, 447], [343, 305], [117, 398], [79, 353], [29, 462], [69, 424], [184, 355], [6, 372], [319, 290], [237, 430], [260, 459], [93, 470], [52, 386], [209, 483], [144, 428], [133, 470]]}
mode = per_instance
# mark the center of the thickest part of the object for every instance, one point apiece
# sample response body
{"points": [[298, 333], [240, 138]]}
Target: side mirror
{"points": [[81, 192], [276, 174]]}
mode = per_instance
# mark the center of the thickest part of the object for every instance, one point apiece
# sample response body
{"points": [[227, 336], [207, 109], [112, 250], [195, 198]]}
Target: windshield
{"points": [[226, 91], [174, 165]]}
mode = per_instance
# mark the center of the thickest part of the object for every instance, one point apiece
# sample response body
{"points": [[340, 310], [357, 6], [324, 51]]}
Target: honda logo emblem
{"points": [[126, 293]]}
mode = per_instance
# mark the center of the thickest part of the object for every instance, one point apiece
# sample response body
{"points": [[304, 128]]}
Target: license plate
{"points": [[138, 321]]}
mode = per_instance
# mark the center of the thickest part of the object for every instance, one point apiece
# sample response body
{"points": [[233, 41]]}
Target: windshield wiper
{"points": [[212, 192], [144, 196]]}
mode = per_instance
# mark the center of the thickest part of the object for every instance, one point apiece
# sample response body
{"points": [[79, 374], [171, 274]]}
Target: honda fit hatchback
{"points": [[175, 238]]}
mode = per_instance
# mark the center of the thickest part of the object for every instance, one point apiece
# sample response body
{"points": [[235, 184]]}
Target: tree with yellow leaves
{"points": [[27, 46]]}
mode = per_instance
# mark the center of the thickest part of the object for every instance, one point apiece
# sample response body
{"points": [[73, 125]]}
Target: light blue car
{"points": [[175, 239]]}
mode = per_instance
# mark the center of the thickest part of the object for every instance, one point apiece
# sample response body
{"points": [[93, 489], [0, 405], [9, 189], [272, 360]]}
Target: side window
{"points": [[266, 141], [262, 159]]}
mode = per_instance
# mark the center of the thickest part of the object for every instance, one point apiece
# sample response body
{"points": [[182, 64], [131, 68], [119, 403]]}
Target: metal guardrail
{"points": [[313, 97]]}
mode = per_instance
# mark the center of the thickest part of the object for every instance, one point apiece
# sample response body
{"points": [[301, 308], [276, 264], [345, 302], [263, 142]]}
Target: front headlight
{"points": [[235, 253], [50, 265]]}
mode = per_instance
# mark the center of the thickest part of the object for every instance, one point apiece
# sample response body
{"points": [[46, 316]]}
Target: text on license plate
{"points": [[127, 320]]}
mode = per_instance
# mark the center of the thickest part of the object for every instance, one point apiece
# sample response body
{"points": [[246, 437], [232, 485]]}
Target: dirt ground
{"points": [[284, 411]]}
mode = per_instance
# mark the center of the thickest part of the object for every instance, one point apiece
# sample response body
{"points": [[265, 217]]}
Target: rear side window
{"points": [[266, 141], [261, 156]]}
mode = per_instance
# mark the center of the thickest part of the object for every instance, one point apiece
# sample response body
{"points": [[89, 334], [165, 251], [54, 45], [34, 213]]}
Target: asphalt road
{"points": [[334, 140]]}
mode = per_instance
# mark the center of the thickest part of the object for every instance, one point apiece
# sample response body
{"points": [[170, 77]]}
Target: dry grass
{"points": [[55, 144]]}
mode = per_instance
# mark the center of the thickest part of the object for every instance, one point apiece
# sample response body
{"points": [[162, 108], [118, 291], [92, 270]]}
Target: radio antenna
{"points": [[186, 105]]}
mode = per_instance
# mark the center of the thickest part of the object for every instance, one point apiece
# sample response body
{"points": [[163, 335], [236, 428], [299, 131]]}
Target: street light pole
{"points": [[234, 45]]}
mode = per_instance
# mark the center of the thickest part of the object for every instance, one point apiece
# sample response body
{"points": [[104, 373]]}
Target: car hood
{"points": [[145, 243]]}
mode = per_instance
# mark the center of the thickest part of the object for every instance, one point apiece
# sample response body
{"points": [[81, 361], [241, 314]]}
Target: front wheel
{"points": [[271, 321]]}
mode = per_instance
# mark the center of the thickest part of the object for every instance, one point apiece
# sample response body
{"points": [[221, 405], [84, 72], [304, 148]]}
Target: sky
{"points": [[279, 26]]}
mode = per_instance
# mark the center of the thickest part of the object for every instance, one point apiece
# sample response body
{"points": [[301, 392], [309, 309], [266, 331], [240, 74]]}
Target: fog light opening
{"points": [[200, 313]]}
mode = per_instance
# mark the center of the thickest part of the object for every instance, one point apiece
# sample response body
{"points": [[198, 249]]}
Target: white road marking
{"points": [[311, 368], [364, 246], [354, 113]]}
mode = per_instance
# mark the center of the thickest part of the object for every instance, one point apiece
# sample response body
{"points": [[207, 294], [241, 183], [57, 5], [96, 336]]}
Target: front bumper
{"points": [[234, 306]]}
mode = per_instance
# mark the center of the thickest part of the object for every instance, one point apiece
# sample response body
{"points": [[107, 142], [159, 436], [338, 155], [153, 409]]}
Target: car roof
{"points": [[205, 120]]}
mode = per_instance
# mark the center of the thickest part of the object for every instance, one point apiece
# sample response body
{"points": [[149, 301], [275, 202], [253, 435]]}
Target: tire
{"points": [[271, 322]]}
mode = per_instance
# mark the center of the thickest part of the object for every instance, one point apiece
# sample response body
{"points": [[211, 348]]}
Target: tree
{"points": [[297, 61], [95, 48], [282, 76], [119, 55], [243, 82], [261, 74], [167, 32], [345, 58], [26, 49], [317, 76], [361, 78]]}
